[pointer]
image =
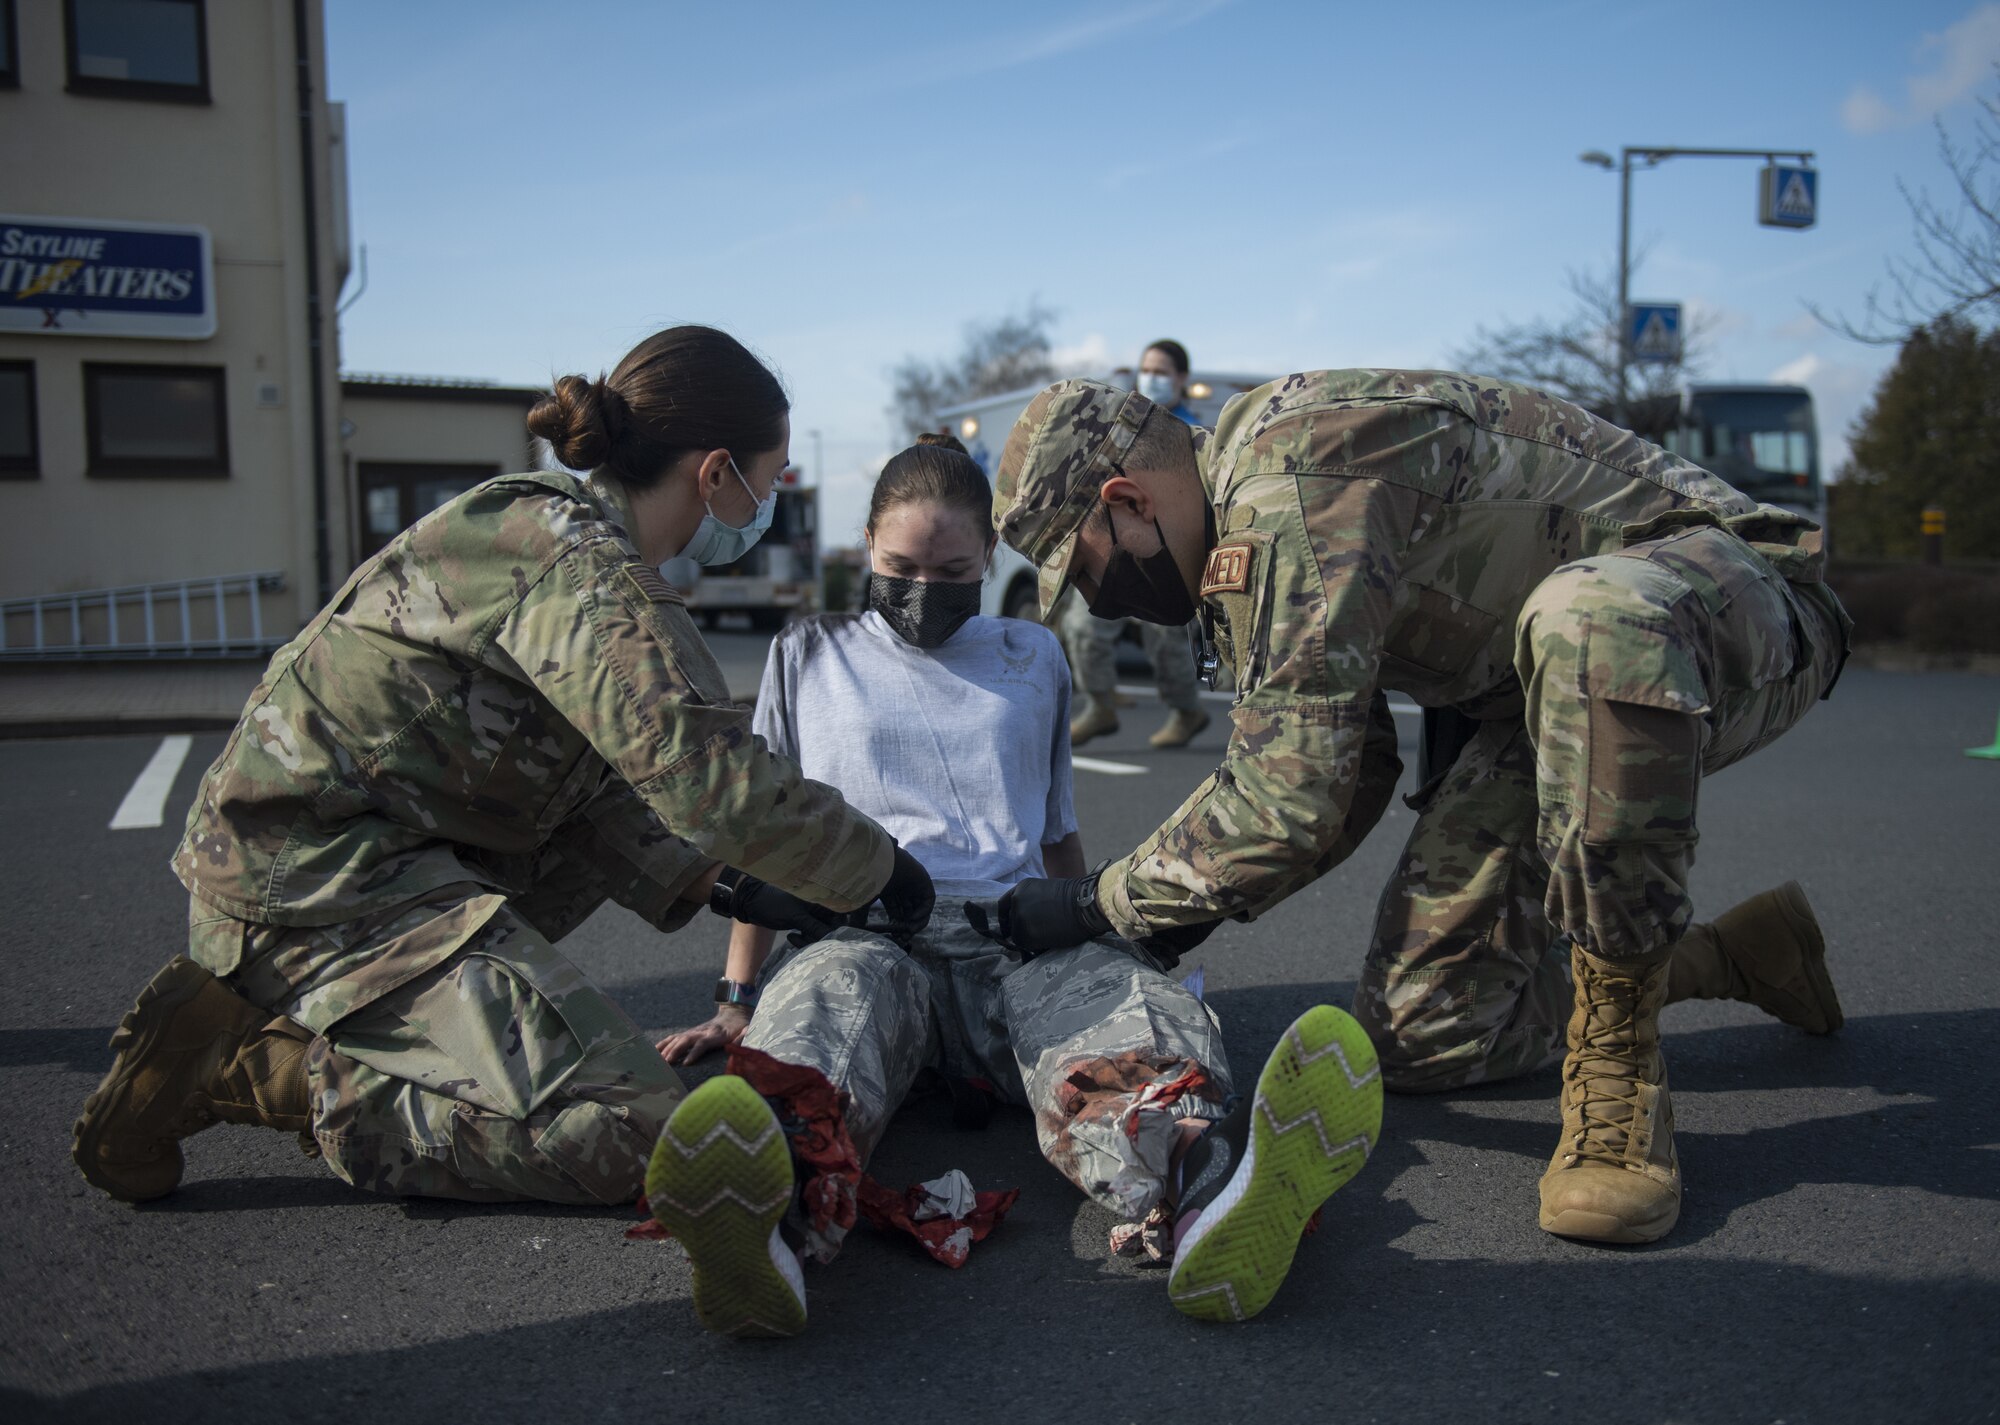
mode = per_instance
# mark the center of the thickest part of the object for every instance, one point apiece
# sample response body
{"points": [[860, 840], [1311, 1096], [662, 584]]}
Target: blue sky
{"points": [[1279, 185]]}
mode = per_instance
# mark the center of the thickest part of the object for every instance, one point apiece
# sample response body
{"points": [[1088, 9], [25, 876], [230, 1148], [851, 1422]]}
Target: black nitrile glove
{"points": [[1044, 914], [1176, 940], [740, 897], [907, 897]]}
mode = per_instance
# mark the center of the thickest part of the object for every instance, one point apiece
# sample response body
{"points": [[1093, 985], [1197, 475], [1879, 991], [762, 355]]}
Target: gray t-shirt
{"points": [[961, 752]]}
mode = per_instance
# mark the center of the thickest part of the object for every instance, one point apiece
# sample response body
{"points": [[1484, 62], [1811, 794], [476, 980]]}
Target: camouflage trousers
{"points": [[1643, 670], [1092, 645], [1075, 1036], [457, 1053]]}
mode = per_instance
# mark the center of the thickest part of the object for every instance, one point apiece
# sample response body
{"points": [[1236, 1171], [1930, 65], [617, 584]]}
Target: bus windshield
{"points": [[1762, 442]]}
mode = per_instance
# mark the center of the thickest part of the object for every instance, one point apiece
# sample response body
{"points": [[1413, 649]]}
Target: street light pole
{"points": [[1624, 281], [1653, 157]]}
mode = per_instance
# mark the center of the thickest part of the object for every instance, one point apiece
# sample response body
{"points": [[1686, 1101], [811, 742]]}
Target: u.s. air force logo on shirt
{"points": [[1228, 569]]}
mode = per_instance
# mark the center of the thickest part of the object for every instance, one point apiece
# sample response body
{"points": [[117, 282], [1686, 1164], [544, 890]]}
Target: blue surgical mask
{"points": [[1157, 387], [715, 542]]}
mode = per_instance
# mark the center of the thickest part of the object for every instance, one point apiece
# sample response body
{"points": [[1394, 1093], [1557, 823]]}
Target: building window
{"points": [[155, 420], [20, 456], [10, 48], [138, 49], [395, 495]]}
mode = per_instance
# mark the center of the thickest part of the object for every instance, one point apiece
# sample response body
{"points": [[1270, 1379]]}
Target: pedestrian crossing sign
{"points": [[1788, 196], [1653, 331]]}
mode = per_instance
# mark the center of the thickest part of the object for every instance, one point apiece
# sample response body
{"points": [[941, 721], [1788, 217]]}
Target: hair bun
{"points": [[941, 437], [581, 420]]}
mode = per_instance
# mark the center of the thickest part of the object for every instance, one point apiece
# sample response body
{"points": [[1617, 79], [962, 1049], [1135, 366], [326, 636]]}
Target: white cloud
{"points": [[957, 62], [1802, 326], [1840, 391], [1089, 357], [1864, 112], [1716, 321], [1799, 371], [1965, 55]]}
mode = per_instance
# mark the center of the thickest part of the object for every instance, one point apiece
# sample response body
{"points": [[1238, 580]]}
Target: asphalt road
{"points": [[1836, 1259]]}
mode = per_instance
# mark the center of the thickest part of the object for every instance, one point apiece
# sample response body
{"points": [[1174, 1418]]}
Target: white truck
{"points": [[779, 577], [983, 424]]}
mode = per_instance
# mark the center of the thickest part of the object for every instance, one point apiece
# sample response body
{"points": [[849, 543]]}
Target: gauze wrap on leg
{"points": [[1111, 1050]]}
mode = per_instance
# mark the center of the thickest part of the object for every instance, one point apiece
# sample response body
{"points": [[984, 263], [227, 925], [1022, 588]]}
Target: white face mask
{"points": [[715, 542], [1157, 387]]}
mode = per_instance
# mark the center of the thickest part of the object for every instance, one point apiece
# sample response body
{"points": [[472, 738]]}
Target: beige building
{"points": [[173, 246]]}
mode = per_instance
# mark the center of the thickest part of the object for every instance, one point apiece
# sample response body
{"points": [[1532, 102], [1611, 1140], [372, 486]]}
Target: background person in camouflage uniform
{"points": [[1092, 642], [1618, 622], [502, 719]]}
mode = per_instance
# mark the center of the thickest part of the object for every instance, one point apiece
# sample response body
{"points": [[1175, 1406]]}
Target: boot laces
{"points": [[1602, 1073]]}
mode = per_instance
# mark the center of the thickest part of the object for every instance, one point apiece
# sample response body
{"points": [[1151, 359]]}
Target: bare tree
{"points": [[1955, 272], [1002, 355], [1576, 356]]}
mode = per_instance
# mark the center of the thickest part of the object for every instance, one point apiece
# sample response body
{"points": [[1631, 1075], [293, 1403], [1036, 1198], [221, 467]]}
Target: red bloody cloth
{"points": [[1160, 1095], [813, 1114], [948, 1239]]}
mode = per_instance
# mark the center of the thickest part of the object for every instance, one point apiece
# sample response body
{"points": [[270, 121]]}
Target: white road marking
{"points": [[1098, 764], [1133, 691], [145, 805]]}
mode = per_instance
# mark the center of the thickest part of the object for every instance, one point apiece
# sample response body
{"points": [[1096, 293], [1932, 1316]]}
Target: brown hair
{"points": [[1175, 352], [685, 388], [936, 468]]}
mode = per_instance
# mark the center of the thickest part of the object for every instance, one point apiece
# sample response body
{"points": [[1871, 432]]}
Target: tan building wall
{"points": [[234, 166], [408, 444]]}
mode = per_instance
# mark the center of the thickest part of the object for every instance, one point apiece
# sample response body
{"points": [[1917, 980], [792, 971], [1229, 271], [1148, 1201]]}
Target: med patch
{"points": [[1228, 569]]}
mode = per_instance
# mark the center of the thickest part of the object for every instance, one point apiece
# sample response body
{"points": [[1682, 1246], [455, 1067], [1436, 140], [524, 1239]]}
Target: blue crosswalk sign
{"points": [[1788, 196], [1653, 331]]}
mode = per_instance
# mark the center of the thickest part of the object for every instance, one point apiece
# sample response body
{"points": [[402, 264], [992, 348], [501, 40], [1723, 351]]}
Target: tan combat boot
{"points": [[1768, 952], [190, 1053], [1179, 729], [1614, 1177], [1095, 720]]}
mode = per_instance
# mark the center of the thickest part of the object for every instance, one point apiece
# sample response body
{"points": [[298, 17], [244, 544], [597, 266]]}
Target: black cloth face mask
{"points": [[923, 612], [1149, 588]]}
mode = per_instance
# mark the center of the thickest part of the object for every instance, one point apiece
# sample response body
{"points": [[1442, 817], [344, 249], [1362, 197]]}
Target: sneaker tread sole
{"points": [[720, 1180], [1317, 1115]]}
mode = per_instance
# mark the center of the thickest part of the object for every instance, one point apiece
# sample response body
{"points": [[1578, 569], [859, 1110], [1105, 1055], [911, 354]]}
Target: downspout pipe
{"points": [[315, 321]]}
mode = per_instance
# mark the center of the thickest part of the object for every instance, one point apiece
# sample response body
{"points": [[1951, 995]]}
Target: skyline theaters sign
{"points": [[93, 277]]}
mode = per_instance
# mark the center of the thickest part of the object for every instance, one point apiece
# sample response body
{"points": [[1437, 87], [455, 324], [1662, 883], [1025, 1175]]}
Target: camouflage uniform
{"points": [[1075, 1036], [1619, 620], [502, 720], [1092, 644]]}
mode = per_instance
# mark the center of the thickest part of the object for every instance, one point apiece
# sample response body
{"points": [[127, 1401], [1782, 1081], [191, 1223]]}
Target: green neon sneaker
{"points": [[720, 1181], [1255, 1179]]}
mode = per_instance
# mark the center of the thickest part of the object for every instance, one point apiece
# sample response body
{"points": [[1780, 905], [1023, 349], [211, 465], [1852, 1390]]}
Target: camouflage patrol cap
{"points": [[1071, 439]]}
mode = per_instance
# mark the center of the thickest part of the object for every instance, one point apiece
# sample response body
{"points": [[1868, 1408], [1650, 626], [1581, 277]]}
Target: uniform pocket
{"points": [[1644, 773], [215, 942], [1433, 634], [600, 1149]]}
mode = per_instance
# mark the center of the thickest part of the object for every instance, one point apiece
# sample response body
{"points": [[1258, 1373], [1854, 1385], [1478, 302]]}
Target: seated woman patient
{"points": [[951, 729]]}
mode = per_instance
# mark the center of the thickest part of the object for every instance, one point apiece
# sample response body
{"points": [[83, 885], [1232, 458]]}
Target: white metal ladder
{"points": [[184, 618]]}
